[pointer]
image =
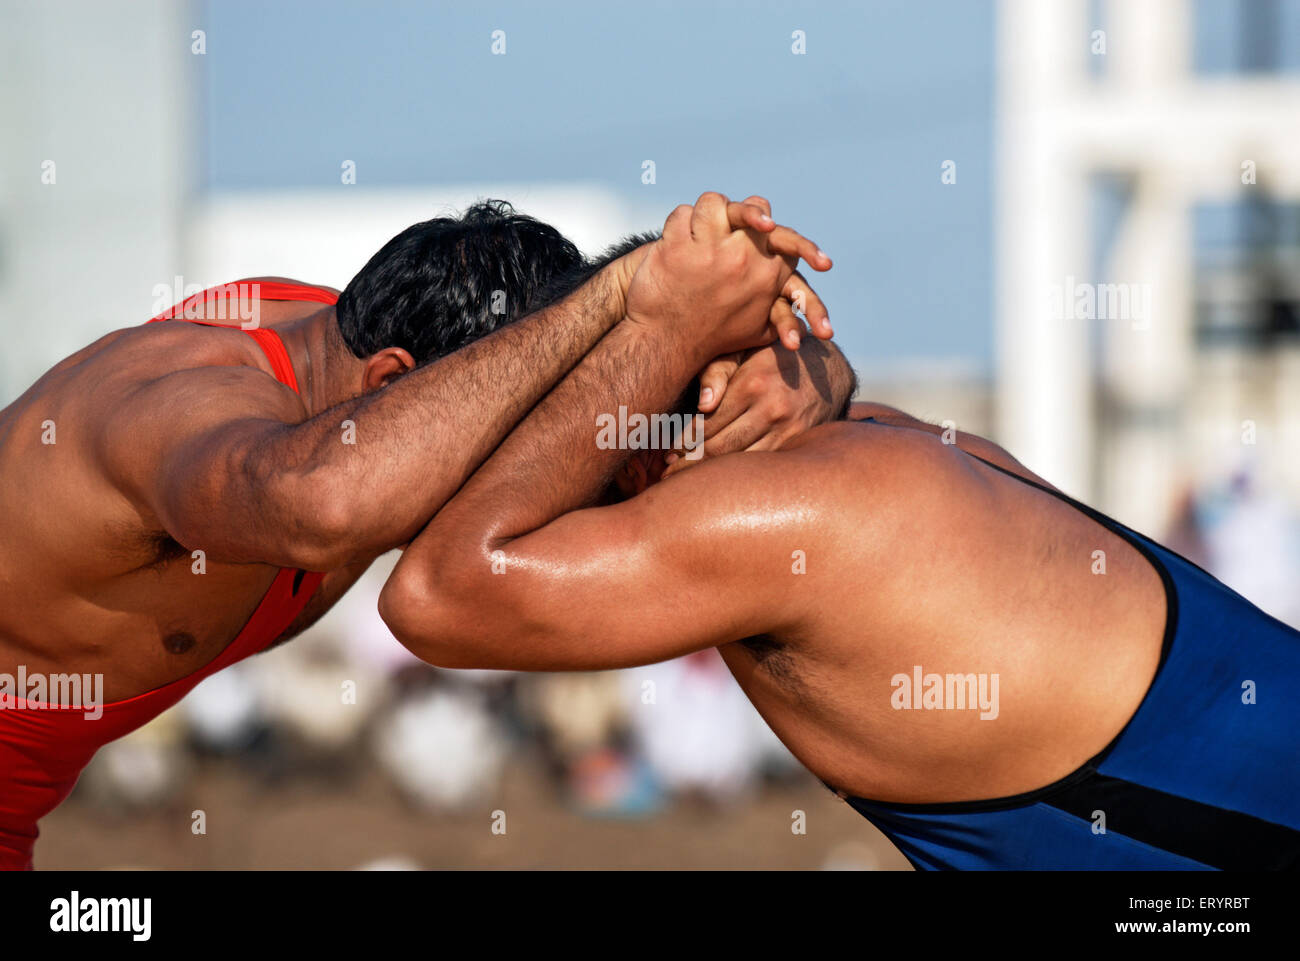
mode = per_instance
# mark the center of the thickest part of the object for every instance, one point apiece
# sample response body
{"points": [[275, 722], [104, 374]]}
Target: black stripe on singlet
{"points": [[1211, 835]]}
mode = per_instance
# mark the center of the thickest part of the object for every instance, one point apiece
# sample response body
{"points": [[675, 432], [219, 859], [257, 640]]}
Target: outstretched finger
{"points": [[805, 300], [791, 243], [789, 328]]}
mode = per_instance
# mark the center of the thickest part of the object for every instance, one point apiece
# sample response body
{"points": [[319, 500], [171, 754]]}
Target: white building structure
{"points": [[97, 220], [1125, 426], [90, 211]]}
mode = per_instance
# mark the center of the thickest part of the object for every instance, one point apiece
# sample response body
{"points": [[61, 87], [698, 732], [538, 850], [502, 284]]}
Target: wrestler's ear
{"points": [[384, 367]]}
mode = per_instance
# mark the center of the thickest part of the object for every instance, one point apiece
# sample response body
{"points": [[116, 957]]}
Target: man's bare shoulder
{"points": [[152, 352], [828, 476], [863, 488], [175, 380], [878, 453], [169, 369], [147, 351], [98, 415]]}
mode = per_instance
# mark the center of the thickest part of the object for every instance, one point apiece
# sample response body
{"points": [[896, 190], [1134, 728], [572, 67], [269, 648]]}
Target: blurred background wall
{"points": [[1069, 224], [1146, 328]]}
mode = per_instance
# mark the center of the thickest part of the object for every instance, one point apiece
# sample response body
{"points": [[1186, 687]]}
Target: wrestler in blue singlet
{"points": [[1205, 775]]}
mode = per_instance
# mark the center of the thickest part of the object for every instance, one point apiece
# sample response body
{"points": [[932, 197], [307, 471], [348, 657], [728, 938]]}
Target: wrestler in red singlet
{"points": [[43, 749]]}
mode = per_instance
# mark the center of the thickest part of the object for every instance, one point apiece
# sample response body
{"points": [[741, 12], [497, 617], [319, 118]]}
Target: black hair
{"points": [[566, 283], [625, 246], [443, 283]]}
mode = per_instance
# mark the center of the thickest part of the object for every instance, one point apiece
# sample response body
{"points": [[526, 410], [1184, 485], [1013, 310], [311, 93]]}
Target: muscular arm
{"points": [[225, 461], [697, 561], [553, 463], [549, 465]]}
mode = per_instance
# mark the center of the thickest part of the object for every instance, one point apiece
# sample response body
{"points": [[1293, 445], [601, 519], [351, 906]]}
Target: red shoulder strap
{"points": [[273, 347], [270, 342]]}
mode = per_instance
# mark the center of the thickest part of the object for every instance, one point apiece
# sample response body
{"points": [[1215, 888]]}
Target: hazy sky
{"points": [[847, 140]]}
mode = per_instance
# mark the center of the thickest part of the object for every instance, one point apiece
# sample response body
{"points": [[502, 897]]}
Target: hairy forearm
{"points": [[366, 475], [552, 462], [549, 465]]}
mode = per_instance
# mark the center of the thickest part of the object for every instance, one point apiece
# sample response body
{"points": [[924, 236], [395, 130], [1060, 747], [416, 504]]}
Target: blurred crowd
{"points": [[347, 695], [1247, 536]]}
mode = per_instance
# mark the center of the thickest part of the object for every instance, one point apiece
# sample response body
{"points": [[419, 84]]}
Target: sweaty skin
{"points": [[913, 551], [173, 437]]}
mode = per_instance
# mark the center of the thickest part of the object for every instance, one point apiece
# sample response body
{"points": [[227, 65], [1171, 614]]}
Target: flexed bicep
{"points": [[684, 566], [194, 450]]}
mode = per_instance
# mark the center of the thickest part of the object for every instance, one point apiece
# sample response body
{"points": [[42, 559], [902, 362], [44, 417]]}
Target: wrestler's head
{"points": [[441, 284]]}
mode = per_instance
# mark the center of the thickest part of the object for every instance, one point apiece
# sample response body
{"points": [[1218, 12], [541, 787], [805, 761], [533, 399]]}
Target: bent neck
{"points": [[321, 362]]}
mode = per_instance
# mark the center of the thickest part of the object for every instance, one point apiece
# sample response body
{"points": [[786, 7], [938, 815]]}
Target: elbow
{"points": [[326, 528], [427, 620], [330, 540]]}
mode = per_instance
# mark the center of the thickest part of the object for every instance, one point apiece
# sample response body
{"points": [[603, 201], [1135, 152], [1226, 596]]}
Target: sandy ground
{"points": [[337, 823]]}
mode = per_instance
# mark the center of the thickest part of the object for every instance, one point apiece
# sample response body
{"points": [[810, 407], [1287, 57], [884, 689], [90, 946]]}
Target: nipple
{"points": [[179, 642]]}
